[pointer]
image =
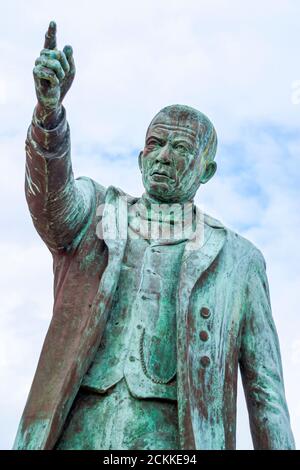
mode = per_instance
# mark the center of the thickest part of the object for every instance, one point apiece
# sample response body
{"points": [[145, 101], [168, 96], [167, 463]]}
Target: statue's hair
{"points": [[207, 135]]}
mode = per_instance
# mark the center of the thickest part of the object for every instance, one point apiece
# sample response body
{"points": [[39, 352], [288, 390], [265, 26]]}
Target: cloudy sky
{"points": [[238, 62]]}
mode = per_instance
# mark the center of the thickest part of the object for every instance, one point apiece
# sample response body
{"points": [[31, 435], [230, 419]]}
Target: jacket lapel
{"points": [[197, 258], [114, 227]]}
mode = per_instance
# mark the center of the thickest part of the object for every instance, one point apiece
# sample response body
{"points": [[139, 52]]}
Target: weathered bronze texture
{"points": [[148, 331]]}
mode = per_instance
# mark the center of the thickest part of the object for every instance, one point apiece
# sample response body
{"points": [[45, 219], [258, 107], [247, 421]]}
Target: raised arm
{"points": [[260, 364], [59, 205]]}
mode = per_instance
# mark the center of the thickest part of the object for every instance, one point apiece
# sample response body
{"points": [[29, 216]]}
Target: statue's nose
{"points": [[164, 155]]}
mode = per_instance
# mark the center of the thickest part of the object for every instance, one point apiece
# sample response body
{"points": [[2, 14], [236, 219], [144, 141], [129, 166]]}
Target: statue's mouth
{"points": [[162, 174]]}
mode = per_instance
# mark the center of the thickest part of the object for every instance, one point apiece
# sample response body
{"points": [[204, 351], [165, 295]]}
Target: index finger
{"points": [[50, 36]]}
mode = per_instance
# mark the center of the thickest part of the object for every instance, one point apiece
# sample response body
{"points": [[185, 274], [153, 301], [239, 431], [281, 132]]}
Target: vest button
{"points": [[205, 361], [203, 335], [205, 312]]}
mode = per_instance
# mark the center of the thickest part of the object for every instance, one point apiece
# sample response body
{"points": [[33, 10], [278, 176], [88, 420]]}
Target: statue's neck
{"points": [[166, 212], [148, 200]]}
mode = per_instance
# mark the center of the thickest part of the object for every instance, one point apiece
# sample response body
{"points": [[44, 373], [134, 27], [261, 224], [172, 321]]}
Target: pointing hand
{"points": [[54, 72]]}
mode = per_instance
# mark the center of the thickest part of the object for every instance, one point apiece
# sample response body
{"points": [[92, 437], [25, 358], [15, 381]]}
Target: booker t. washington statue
{"points": [[148, 331]]}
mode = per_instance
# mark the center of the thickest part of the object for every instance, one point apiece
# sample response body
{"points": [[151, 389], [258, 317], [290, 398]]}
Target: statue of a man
{"points": [[148, 331]]}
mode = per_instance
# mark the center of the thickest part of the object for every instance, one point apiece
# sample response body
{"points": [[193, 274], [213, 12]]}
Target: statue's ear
{"points": [[210, 169], [140, 160]]}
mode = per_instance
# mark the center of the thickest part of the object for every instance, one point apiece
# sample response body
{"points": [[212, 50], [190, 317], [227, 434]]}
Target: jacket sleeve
{"points": [[59, 205], [260, 365]]}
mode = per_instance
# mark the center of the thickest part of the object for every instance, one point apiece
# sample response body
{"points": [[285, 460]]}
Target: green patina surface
{"points": [[147, 334]]}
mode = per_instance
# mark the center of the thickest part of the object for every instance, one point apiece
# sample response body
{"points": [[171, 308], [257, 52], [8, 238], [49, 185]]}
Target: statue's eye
{"points": [[181, 148], [153, 143]]}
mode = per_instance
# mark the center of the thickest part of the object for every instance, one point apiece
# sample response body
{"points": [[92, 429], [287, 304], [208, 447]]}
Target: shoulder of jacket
{"points": [[237, 241], [96, 187]]}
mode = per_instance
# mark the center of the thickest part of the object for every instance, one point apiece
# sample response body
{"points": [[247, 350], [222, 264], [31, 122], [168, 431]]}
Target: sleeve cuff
{"points": [[52, 138]]}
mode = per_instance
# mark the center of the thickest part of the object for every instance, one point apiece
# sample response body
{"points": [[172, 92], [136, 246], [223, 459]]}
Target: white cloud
{"points": [[3, 92], [296, 352]]}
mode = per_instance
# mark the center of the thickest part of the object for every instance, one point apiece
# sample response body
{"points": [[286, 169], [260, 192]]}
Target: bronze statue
{"points": [[156, 305]]}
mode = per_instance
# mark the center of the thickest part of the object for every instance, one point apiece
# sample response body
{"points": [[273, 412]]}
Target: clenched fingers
{"points": [[51, 64], [45, 74], [68, 51], [57, 55]]}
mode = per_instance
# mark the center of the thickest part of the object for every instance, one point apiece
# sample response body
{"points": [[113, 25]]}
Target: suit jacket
{"points": [[224, 318]]}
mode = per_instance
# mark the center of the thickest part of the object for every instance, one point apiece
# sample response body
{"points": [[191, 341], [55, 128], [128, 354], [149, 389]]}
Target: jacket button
{"points": [[205, 361], [203, 335], [205, 312]]}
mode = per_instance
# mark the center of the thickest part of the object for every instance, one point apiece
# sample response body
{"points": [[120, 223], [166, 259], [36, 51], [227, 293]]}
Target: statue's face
{"points": [[171, 163]]}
